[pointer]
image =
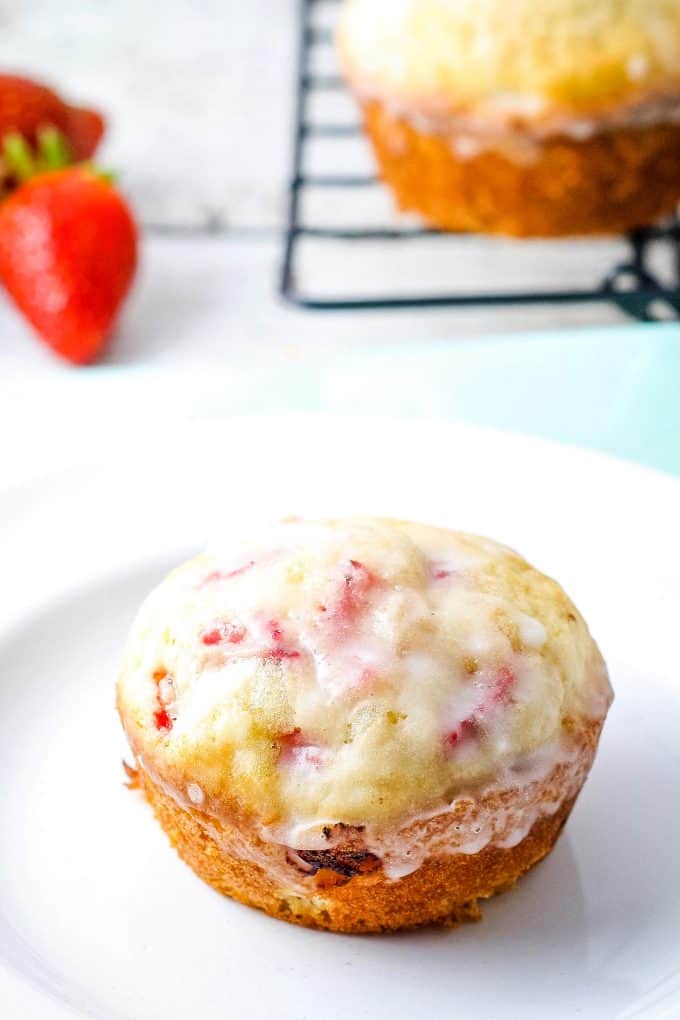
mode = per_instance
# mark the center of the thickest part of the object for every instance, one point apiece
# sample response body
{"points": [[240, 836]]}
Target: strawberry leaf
{"points": [[18, 158], [54, 151]]}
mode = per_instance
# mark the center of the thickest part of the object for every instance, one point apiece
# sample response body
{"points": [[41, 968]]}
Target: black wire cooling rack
{"points": [[630, 283]]}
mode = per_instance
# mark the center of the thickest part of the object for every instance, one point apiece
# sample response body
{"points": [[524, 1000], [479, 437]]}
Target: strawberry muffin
{"points": [[530, 119], [362, 724]]}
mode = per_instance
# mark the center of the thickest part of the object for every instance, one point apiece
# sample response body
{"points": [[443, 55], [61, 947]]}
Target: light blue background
{"points": [[614, 389]]}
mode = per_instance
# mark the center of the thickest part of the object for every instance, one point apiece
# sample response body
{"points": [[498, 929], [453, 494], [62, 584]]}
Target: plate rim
{"points": [[21, 992]]}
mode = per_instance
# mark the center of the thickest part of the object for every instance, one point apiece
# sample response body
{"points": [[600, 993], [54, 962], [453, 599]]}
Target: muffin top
{"points": [[515, 60], [355, 671]]}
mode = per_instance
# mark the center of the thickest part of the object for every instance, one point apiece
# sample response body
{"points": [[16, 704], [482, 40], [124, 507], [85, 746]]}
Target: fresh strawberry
{"points": [[27, 106], [68, 253]]}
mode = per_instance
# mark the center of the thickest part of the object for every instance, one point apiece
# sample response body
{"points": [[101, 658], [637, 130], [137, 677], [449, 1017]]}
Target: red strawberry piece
{"points": [[162, 720], [223, 632], [226, 575], [288, 741], [439, 571], [358, 582], [279, 650], [502, 681], [282, 653], [293, 738], [164, 715], [495, 691], [274, 628], [68, 254], [309, 755], [27, 107], [295, 749], [212, 636], [351, 597], [465, 730]]}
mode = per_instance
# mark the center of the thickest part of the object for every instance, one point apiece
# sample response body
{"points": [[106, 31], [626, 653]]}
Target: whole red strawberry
{"points": [[26, 107], [68, 253]]}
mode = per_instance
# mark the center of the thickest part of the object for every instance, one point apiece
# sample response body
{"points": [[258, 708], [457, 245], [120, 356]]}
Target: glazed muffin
{"points": [[362, 724], [523, 118]]}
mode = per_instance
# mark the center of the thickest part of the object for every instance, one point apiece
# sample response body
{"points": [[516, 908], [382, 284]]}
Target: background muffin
{"points": [[525, 118], [362, 724]]}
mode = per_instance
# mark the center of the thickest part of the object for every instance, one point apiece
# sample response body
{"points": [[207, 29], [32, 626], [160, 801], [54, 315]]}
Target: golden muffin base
{"points": [[442, 891], [609, 183]]}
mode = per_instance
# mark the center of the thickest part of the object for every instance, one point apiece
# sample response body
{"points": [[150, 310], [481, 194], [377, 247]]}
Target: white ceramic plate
{"points": [[99, 918]]}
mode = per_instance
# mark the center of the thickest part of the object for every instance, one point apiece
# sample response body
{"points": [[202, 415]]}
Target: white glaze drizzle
{"points": [[500, 813], [520, 138]]}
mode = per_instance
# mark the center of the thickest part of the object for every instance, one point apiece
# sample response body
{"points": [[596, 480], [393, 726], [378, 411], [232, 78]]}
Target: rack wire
{"points": [[632, 284]]}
